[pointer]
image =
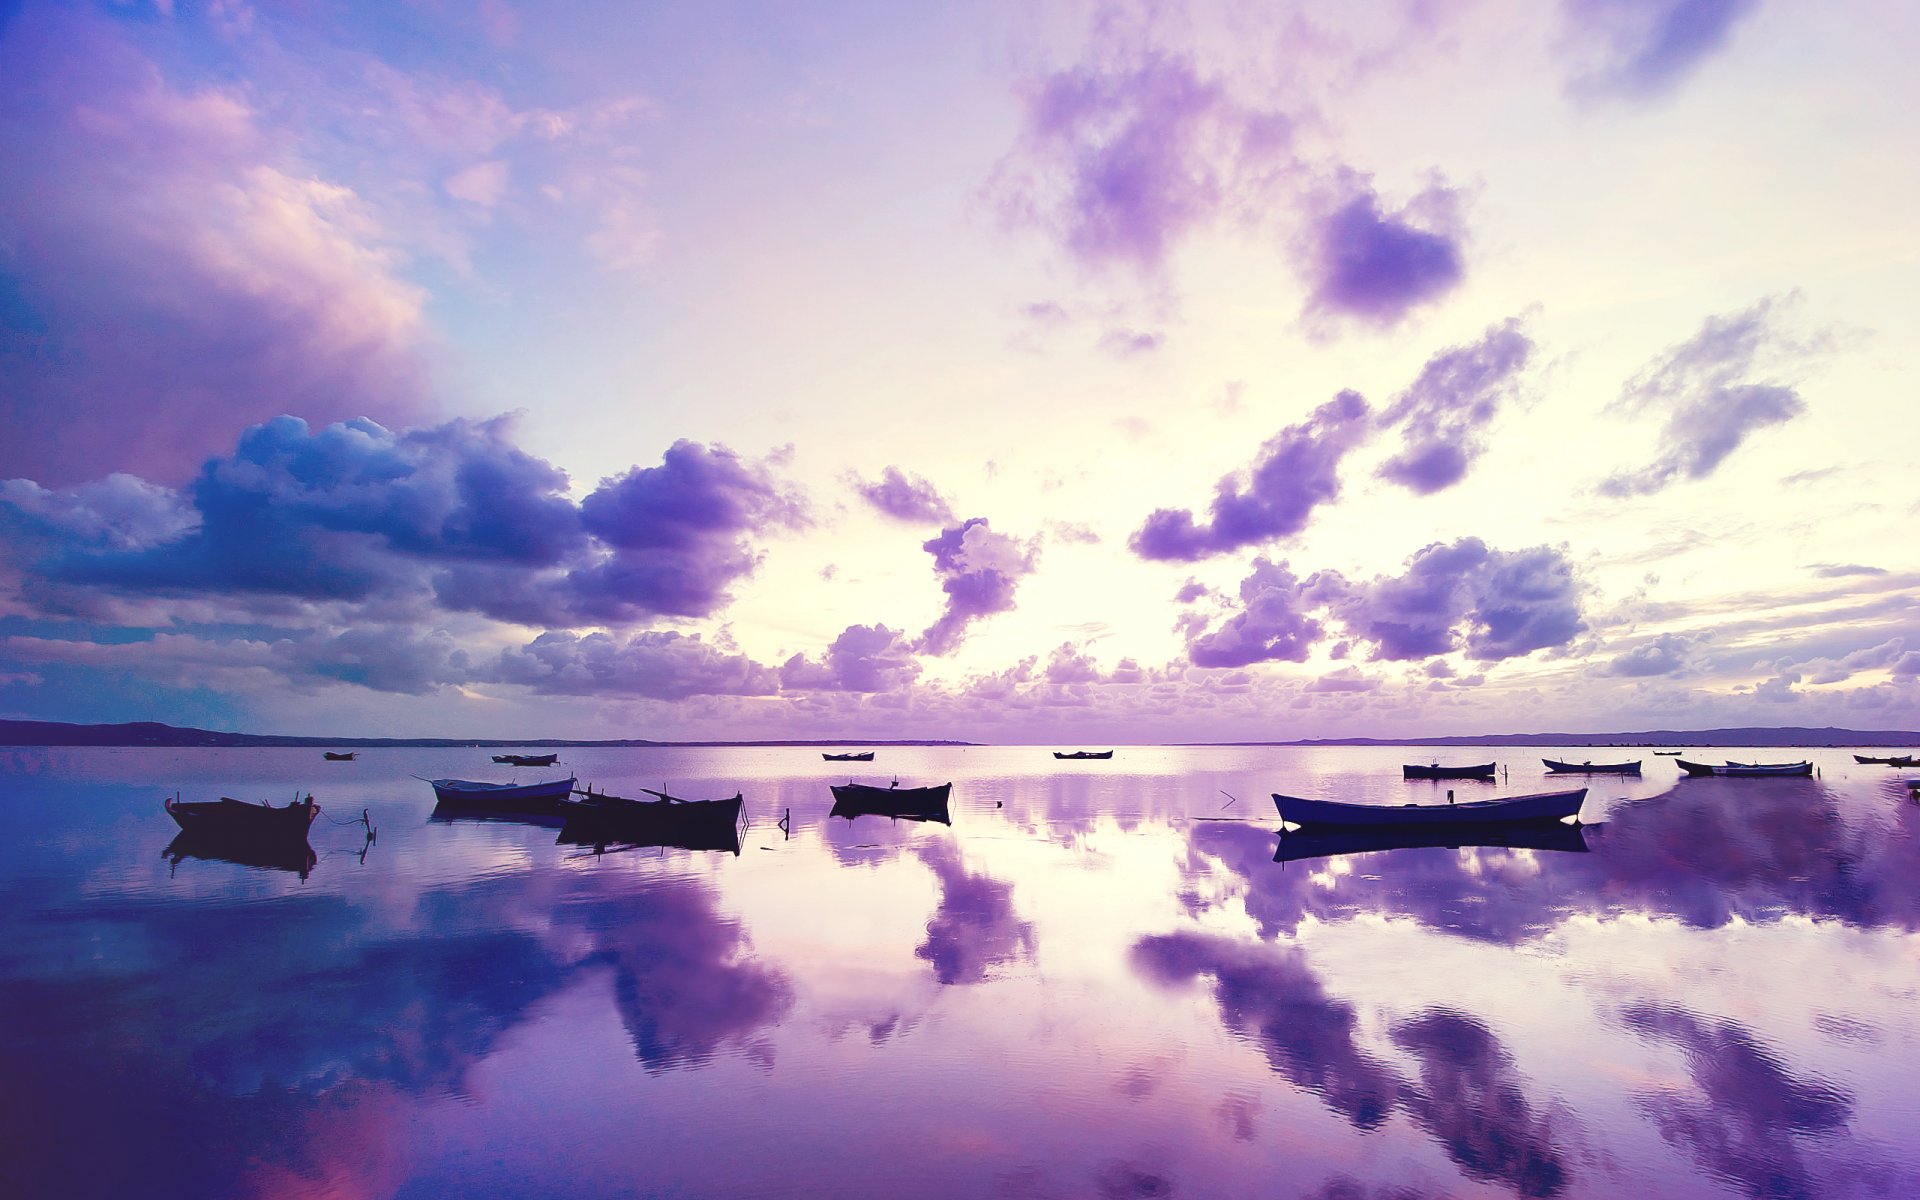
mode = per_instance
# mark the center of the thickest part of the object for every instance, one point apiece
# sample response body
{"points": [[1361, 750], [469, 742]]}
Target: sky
{"points": [[1074, 373]]}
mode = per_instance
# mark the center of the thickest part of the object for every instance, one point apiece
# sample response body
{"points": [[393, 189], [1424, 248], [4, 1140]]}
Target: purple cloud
{"points": [[864, 658], [1272, 624], [236, 287], [1297, 470], [660, 664], [979, 570], [975, 928], [1471, 1098], [1644, 48], [1378, 267], [1668, 654], [1699, 386], [904, 497], [1457, 393]]}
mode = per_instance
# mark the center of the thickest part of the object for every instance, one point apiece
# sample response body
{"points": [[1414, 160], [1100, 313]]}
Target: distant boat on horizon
{"points": [[1436, 771], [1669, 753], [850, 756], [1898, 760], [527, 760], [1083, 754], [330, 756], [1338, 814], [1591, 768], [1735, 769]]}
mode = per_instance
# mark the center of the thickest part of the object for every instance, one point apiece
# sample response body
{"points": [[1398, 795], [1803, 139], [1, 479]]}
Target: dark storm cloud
{"points": [[864, 658], [979, 570], [1377, 267], [1297, 470], [1644, 48], [904, 497], [661, 664], [1457, 393], [1703, 389]]}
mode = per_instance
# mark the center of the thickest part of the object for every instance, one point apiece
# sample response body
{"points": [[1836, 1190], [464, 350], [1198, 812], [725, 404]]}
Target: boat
{"points": [[1592, 768], [860, 756], [1436, 771], [330, 756], [1669, 753], [852, 800], [472, 795], [1083, 754], [1898, 760], [1745, 769], [527, 760], [230, 818], [289, 854], [1332, 842], [599, 818], [1337, 814]]}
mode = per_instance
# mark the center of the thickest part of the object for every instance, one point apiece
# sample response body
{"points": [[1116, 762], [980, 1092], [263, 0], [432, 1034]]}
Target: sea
{"points": [[1108, 978]]}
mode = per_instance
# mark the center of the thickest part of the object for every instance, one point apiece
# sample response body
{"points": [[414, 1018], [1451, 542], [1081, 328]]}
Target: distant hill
{"points": [[153, 733], [1745, 735]]}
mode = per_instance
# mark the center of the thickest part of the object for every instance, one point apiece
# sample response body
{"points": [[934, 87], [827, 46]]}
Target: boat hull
{"points": [[1084, 755], [472, 795], [1745, 770], [527, 760], [852, 800], [238, 819], [1566, 768], [1481, 771], [865, 756], [1337, 814]]}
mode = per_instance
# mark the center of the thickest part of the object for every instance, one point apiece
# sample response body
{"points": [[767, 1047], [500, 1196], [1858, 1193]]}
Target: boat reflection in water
{"points": [[852, 800], [268, 854], [1306, 843], [601, 820]]}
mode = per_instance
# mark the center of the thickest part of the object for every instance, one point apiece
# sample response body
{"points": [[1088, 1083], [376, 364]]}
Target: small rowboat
{"points": [[1337, 814], [1083, 754], [230, 818], [1898, 760], [1436, 771], [858, 756], [474, 796], [1745, 769], [1332, 842], [852, 800], [599, 818], [1669, 753], [1592, 768], [330, 756], [527, 760]]}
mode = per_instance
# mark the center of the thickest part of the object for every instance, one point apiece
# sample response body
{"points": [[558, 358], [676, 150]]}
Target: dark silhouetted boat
{"points": [[271, 854], [1738, 770], [859, 756], [1898, 760], [852, 800], [1592, 768], [1537, 835], [1669, 753], [599, 819], [527, 760], [1338, 814], [238, 819], [1083, 754], [330, 756], [473, 796], [1436, 771]]}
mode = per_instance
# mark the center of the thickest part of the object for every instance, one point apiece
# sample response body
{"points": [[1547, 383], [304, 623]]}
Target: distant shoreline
{"points": [[154, 733]]}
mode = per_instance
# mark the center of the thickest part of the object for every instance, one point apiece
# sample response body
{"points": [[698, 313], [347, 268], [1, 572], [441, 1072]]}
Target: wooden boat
{"points": [[1436, 771], [859, 756], [1083, 754], [1337, 814], [230, 818], [330, 756], [1669, 753], [527, 760], [472, 795], [289, 854], [598, 819], [1745, 769], [1331, 842], [1592, 768], [1898, 760], [852, 800]]}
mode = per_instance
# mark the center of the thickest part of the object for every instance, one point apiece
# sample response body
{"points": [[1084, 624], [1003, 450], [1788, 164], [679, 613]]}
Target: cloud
{"points": [[979, 570], [1471, 1098], [1457, 393], [1296, 471], [1125, 343], [1843, 570], [864, 658], [1377, 267], [904, 497], [176, 276], [975, 928], [1272, 624], [659, 664], [1668, 654], [1638, 49], [1701, 388]]}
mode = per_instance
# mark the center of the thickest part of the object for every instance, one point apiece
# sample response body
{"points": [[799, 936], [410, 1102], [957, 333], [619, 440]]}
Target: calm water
{"points": [[1091, 984]]}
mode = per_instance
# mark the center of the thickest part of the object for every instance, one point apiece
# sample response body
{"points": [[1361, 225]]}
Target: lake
{"points": [[1097, 981]]}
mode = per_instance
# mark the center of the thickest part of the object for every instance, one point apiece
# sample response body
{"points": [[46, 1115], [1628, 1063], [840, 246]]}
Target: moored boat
{"points": [[1083, 754], [227, 817], [1521, 835], [598, 818], [1592, 768], [852, 800], [852, 756], [472, 795], [1436, 771], [330, 756], [1737, 770], [1669, 753], [527, 760], [1898, 760], [1338, 814]]}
